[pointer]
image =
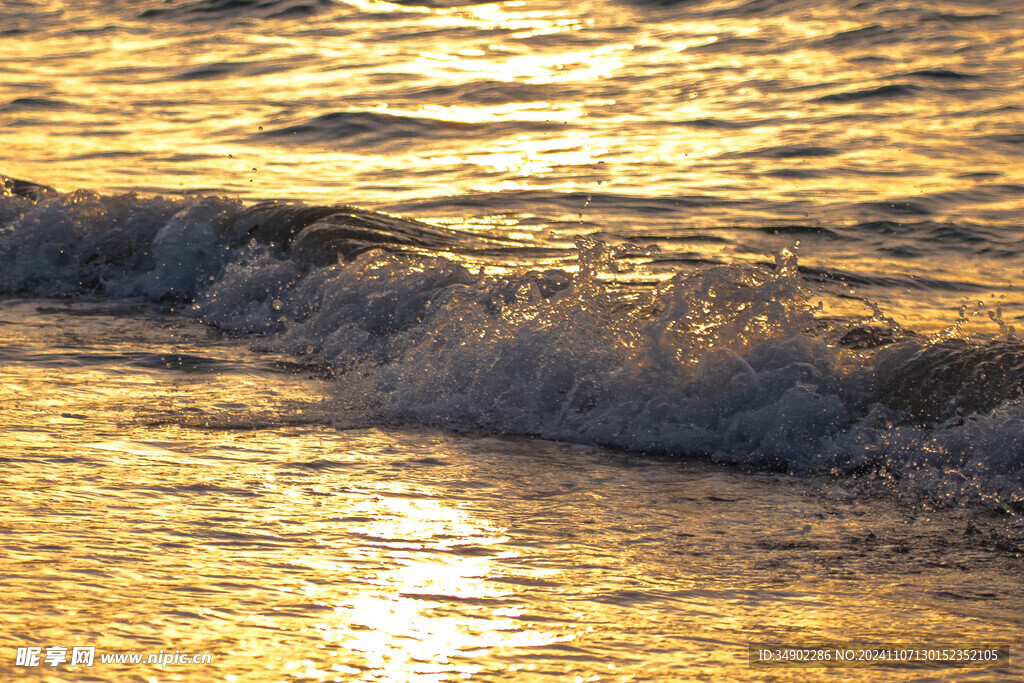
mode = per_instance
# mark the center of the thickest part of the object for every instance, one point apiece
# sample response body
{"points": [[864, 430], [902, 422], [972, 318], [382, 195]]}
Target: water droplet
{"points": [[261, 127], [277, 304]]}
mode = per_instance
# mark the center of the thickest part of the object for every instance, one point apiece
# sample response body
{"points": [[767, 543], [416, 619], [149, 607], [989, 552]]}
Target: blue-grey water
{"points": [[433, 341]]}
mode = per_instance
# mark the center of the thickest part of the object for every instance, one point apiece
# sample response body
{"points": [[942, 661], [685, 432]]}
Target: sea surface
{"points": [[510, 341]]}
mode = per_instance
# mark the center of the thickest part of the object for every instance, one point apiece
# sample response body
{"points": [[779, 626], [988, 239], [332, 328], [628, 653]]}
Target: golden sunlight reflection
{"points": [[513, 16], [579, 65], [398, 621], [532, 157], [691, 106], [190, 512]]}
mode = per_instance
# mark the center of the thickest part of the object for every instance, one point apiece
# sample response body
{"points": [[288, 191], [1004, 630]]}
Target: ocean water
{"points": [[445, 341]]}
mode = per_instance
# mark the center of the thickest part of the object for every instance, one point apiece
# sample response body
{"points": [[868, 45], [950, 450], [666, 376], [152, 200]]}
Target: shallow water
{"points": [[318, 316], [218, 505]]}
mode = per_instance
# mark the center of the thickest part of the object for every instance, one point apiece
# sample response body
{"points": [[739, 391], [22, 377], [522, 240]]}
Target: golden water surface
{"points": [[153, 502]]}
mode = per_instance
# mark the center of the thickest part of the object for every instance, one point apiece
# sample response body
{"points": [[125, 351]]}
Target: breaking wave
{"points": [[733, 363]]}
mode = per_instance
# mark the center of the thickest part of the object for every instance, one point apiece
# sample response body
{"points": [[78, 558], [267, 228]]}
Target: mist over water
{"points": [[783, 238]]}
